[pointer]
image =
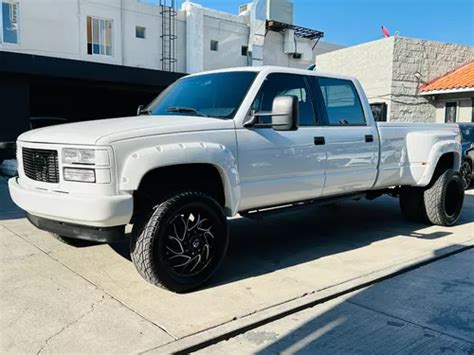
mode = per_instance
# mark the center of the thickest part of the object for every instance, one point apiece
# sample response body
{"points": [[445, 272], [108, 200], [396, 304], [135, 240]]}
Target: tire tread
{"points": [[141, 244]]}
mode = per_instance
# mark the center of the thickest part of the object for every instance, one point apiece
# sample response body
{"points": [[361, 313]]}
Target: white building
{"points": [[133, 33], [90, 59], [395, 70]]}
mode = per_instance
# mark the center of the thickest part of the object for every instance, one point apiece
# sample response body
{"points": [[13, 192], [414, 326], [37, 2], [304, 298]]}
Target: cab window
{"points": [[280, 84], [342, 102]]}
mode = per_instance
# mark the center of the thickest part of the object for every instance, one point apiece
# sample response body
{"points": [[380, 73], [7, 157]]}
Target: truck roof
{"points": [[277, 69]]}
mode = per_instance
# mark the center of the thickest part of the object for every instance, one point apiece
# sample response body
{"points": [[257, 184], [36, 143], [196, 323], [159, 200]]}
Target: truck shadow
{"points": [[395, 310], [259, 247]]}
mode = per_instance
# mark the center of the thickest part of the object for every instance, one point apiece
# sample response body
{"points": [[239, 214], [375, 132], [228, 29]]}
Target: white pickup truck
{"points": [[213, 145]]}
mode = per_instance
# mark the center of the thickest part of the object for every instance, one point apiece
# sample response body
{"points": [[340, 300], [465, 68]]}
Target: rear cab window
{"points": [[340, 100]]}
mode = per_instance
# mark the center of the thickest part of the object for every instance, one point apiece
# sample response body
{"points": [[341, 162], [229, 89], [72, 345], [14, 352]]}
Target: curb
{"points": [[233, 328]]}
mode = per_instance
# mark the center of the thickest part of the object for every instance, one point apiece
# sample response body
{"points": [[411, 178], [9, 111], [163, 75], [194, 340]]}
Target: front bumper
{"points": [[86, 210], [96, 234]]}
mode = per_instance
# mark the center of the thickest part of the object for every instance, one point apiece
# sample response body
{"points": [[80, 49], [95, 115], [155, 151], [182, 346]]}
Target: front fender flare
{"points": [[139, 163]]}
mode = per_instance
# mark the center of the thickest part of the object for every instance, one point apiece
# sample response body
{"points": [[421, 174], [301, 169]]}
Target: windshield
{"points": [[214, 95]]}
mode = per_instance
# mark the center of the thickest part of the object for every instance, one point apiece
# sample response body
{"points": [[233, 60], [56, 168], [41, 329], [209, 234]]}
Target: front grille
{"points": [[41, 165]]}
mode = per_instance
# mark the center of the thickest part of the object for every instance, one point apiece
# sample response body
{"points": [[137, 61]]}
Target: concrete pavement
{"points": [[56, 298], [426, 311]]}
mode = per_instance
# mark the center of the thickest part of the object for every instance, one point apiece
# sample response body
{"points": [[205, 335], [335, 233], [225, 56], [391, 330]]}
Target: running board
{"points": [[273, 210]]}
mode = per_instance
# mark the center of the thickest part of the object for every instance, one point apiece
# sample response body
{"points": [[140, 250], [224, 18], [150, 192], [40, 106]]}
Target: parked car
{"points": [[467, 132], [246, 141]]}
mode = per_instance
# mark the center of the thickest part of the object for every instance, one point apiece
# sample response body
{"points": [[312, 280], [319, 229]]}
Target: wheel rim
{"points": [[466, 172], [190, 242], [453, 200]]}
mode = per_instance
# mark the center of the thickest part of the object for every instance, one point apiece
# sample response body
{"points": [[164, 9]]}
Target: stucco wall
{"points": [[430, 59]]}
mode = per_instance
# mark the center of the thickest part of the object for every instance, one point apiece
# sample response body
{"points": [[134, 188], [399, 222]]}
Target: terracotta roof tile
{"points": [[459, 78]]}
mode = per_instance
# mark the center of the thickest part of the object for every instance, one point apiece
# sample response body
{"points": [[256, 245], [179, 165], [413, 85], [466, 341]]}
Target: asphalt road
{"points": [[55, 298]]}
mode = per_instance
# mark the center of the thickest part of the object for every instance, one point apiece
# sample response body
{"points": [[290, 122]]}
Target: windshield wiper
{"points": [[185, 110]]}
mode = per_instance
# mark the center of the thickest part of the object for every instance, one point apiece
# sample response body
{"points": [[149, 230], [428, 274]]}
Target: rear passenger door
{"points": [[351, 142]]}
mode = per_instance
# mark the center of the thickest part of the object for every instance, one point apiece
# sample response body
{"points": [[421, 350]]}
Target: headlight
{"points": [[79, 175], [79, 156]]}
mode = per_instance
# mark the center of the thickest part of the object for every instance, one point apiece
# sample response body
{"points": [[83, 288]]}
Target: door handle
{"points": [[369, 138], [319, 141]]}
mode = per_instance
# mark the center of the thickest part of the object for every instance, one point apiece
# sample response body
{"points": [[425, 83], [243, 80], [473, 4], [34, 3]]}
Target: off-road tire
{"points": [[149, 232], [444, 199], [73, 241], [412, 204]]}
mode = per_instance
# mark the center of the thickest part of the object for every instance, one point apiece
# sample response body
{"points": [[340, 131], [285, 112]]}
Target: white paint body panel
{"points": [[258, 167]]}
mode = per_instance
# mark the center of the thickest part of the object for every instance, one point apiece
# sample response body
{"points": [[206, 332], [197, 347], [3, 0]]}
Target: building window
{"points": [[214, 46], [245, 51], [140, 32], [99, 36], [10, 22], [450, 112]]}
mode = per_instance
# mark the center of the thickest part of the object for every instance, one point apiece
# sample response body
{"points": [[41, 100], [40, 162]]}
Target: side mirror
{"points": [[285, 113], [139, 109]]}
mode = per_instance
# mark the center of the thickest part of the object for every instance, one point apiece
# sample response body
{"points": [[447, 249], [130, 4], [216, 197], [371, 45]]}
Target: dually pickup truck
{"points": [[246, 141]]}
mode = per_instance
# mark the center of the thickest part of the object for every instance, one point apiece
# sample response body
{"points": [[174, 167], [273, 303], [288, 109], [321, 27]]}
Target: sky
{"points": [[350, 22]]}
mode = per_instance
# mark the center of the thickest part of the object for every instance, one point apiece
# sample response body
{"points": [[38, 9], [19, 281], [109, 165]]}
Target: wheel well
{"points": [[445, 162], [160, 182]]}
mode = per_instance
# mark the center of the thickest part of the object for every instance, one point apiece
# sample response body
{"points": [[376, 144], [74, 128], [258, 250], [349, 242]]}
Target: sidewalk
{"points": [[426, 311], [55, 298]]}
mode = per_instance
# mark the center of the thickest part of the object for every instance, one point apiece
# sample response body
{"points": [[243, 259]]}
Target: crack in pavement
{"points": [[162, 328], [47, 341]]}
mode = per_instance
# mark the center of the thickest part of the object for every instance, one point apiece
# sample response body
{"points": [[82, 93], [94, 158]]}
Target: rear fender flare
{"points": [[437, 151]]}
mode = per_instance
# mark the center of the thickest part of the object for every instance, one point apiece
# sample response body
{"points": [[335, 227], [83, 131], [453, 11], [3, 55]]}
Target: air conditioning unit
{"points": [[280, 10]]}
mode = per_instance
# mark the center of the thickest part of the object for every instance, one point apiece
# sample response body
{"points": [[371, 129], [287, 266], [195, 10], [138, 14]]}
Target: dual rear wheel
{"points": [[440, 203]]}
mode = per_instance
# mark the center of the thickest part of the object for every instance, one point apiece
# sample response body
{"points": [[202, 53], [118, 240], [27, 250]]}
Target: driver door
{"points": [[278, 167]]}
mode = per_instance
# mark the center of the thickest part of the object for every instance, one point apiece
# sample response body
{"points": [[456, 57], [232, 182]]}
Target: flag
{"points": [[385, 31]]}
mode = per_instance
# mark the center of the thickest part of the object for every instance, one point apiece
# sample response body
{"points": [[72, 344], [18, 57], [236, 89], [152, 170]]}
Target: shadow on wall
{"points": [[281, 241], [428, 310]]}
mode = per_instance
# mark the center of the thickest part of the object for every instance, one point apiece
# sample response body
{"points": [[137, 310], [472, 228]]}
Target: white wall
{"points": [[48, 27], [231, 32], [464, 112], [58, 28]]}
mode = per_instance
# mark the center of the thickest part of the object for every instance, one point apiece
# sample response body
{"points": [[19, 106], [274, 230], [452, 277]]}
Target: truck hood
{"points": [[109, 130]]}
